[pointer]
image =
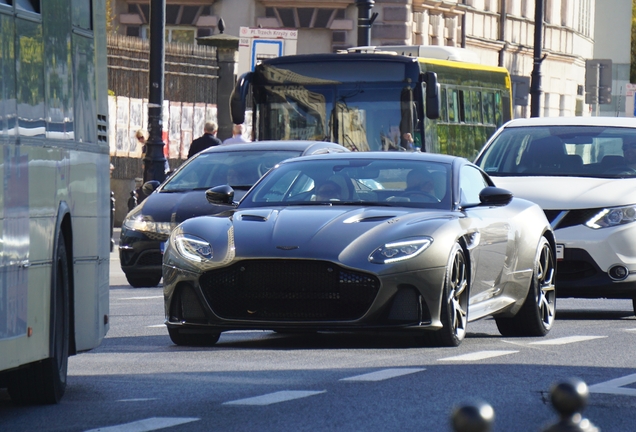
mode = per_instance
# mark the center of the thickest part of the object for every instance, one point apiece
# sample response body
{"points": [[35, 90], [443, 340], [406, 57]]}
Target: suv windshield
{"points": [[580, 151], [238, 169]]}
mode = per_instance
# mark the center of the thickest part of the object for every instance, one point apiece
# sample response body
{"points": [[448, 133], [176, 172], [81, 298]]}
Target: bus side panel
{"points": [[92, 250]]}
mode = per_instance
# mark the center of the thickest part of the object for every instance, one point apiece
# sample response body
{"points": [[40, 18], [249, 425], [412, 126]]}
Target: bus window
{"points": [[444, 112], [82, 14], [464, 107], [475, 99], [453, 106], [498, 108], [489, 108]]}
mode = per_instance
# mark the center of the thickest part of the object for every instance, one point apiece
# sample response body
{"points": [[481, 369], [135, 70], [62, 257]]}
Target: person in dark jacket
{"points": [[208, 139]]}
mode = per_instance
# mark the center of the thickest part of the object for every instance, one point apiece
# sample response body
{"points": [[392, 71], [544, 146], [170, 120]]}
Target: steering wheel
{"points": [[263, 167], [427, 197]]}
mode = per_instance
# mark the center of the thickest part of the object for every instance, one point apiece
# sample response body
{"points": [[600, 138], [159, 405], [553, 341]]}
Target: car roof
{"points": [[386, 155], [307, 147], [573, 121]]}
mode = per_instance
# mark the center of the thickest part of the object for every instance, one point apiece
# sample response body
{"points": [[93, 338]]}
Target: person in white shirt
{"points": [[237, 135]]}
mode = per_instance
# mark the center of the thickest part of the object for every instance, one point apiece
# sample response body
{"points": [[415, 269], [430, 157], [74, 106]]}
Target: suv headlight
{"points": [[400, 250], [193, 248], [140, 224], [614, 216]]}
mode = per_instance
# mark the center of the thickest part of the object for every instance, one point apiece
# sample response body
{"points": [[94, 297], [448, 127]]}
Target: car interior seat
{"points": [[545, 155]]}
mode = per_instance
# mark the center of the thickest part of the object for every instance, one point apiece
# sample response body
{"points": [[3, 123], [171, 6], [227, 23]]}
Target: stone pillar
{"points": [[227, 57]]}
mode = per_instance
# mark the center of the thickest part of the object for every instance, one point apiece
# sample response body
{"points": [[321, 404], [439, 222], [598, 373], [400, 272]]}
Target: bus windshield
{"points": [[360, 116]]}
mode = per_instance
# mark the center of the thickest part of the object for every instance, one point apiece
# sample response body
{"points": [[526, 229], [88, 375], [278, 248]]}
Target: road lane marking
{"points": [[631, 330], [615, 386], [140, 298], [383, 374], [149, 424], [479, 355], [272, 398], [156, 326], [566, 340]]}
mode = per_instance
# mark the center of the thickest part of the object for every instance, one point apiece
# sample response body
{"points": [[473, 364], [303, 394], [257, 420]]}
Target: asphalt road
{"points": [[137, 380]]}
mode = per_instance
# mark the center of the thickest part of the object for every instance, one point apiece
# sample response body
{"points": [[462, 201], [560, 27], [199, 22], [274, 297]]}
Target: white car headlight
{"points": [[193, 248], [614, 216], [140, 224], [400, 250]]}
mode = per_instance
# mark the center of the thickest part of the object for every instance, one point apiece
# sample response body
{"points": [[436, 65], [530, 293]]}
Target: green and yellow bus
{"points": [[387, 98], [55, 193]]}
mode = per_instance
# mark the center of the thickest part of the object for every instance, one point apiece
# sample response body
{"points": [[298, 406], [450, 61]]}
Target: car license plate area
{"points": [[560, 251]]}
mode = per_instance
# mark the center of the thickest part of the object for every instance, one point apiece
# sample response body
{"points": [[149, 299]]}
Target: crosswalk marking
{"points": [[615, 386], [272, 398], [145, 425], [566, 340], [383, 374], [479, 355]]}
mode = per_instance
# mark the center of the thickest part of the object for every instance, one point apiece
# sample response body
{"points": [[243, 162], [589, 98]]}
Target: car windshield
{"points": [[581, 151], [363, 182], [239, 169]]}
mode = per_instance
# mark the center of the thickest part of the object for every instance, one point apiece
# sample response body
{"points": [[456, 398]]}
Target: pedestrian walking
{"points": [[208, 139]]}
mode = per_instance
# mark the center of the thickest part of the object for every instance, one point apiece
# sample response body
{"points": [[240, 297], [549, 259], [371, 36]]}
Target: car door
{"points": [[491, 235]]}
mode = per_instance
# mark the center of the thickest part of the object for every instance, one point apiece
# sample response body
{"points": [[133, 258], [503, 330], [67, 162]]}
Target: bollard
{"points": [[473, 418], [569, 398]]}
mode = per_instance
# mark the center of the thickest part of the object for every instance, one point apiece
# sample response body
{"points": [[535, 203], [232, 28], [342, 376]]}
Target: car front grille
{"points": [[289, 290], [571, 217], [150, 258]]}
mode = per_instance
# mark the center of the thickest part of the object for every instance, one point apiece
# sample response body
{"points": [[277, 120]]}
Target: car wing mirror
{"points": [[494, 196], [223, 194]]}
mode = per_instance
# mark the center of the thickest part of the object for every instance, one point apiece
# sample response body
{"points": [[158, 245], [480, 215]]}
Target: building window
{"points": [[181, 22], [583, 16]]}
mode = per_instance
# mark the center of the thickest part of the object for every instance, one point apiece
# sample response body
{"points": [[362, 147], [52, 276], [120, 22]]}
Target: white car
{"points": [[580, 170]]}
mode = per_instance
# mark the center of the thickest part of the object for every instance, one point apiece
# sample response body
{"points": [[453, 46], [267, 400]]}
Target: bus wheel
{"points": [[44, 382]]}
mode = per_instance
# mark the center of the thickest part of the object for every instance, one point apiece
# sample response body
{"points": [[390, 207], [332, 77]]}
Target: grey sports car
{"points": [[368, 241]]}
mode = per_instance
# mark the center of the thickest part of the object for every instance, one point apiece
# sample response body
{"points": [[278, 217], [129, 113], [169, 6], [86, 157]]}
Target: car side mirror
{"points": [[223, 194], [150, 186], [494, 196]]}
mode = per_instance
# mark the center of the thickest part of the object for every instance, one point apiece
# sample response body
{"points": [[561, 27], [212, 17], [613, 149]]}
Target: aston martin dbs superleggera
{"points": [[367, 241]]}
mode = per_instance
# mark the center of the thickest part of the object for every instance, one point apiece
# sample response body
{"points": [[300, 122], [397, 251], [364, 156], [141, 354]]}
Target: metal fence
{"points": [[191, 71]]}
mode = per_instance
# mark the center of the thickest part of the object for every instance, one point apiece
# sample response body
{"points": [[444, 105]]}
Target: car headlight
{"points": [[143, 225], [400, 250], [615, 216], [193, 248]]}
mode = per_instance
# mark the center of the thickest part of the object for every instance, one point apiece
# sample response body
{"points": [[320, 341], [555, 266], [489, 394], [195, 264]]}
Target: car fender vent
{"points": [[253, 218]]}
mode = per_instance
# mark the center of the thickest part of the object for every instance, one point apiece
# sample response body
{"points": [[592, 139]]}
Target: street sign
{"points": [[598, 81], [257, 44]]}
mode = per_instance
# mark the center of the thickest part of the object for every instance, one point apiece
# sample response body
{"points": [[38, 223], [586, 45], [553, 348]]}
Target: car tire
{"points": [[634, 305], [181, 338], [454, 312], [536, 316], [143, 281], [44, 382]]}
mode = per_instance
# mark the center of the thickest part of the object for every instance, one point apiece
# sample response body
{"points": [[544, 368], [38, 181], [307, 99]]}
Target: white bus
{"points": [[55, 191]]}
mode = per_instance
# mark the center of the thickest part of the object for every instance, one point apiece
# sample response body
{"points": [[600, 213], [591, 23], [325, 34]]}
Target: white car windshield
{"points": [[364, 182], [579, 151]]}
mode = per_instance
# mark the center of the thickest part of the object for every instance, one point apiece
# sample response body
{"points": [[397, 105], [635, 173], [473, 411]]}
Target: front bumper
{"points": [[280, 299], [588, 257], [141, 253]]}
